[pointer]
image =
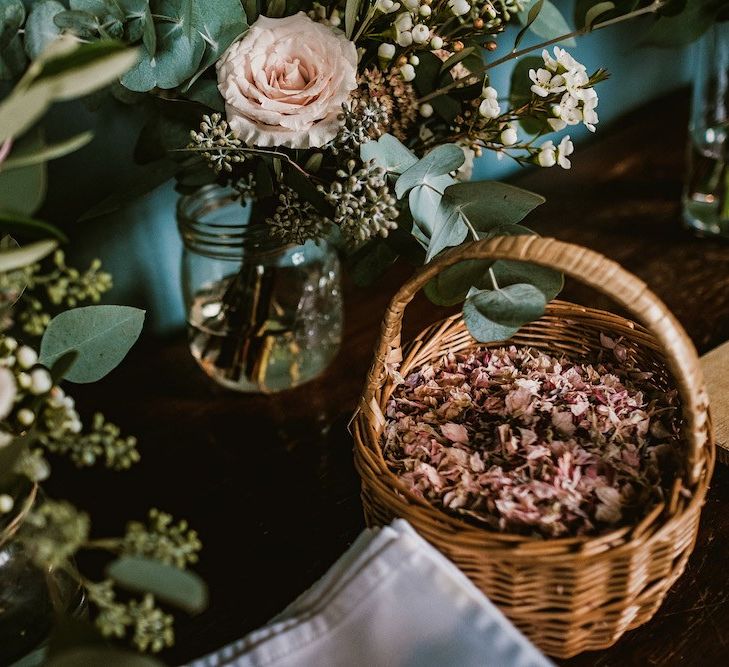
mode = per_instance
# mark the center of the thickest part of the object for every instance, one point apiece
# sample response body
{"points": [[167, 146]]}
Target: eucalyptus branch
{"points": [[474, 77], [253, 151]]}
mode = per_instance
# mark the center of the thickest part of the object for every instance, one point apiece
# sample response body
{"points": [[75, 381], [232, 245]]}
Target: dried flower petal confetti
{"points": [[525, 442]]}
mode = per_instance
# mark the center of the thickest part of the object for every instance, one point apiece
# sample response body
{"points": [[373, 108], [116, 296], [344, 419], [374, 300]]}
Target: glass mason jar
{"points": [[706, 195], [262, 317], [30, 598]]}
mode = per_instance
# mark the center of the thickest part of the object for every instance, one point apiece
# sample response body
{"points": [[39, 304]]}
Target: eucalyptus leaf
{"points": [[449, 229], [23, 190], [205, 91], [596, 12], [14, 223], [351, 10], [17, 258], [46, 153], [424, 204], [180, 48], [13, 59], [496, 315], [388, 153], [440, 161], [62, 366], [684, 28], [12, 16], [81, 23], [451, 286], [85, 656], [40, 28], [102, 335], [456, 58], [530, 18], [179, 588], [548, 281], [549, 23], [488, 204]]}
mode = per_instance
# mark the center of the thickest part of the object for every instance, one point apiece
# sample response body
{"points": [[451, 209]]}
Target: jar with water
{"points": [[262, 317], [706, 194]]}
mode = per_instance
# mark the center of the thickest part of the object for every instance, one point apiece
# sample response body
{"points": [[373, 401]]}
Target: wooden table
{"points": [[272, 490]]}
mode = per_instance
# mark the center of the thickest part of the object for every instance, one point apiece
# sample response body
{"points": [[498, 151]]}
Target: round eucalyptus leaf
{"points": [[439, 162], [40, 28], [388, 153], [548, 281], [12, 15], [496, 315]]}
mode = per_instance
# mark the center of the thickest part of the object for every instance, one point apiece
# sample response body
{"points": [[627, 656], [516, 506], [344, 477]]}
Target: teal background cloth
{"points": [[140, 245]]}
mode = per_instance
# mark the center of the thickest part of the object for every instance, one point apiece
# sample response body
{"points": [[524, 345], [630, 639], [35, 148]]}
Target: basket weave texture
{"points": [[567, 595]]}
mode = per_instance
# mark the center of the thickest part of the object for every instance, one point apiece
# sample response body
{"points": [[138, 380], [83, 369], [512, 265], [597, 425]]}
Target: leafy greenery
{"points": [[102, 336]]}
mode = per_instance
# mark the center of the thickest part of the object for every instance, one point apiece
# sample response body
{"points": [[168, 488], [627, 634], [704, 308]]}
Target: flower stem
{"points": [[467, 81]]}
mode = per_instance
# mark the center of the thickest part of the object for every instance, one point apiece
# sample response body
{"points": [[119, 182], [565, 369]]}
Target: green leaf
{"points": [[449, 228], [531, 17], [440, 161], [180, 48], [83, 24], [85, 656], [488, 204], [205, 91], [451, 286], [13, 59], [424, 204], [388, 153], [10, 453], [23, 190], [102, 335], [62, 366], [686, 27], [13, 223], [179, 588], [548, 281], [371, 262], [351, 10], [596, 12], [47, 152], [17, 258], [456, 58], [40, 28], [12, 16], [549, 23], [496, 315]]}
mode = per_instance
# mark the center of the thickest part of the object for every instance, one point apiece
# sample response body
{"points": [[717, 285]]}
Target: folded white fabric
{"points": [[392, 600]]}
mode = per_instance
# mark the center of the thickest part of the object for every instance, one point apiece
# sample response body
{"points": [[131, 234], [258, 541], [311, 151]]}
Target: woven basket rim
{"points": [[514, 543]]}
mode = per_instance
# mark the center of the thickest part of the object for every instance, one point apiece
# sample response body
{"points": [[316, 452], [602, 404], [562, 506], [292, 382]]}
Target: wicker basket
{"points": [[570, 594]]}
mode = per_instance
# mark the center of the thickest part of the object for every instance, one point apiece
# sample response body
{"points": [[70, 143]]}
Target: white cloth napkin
{"points": [[392, 600]]}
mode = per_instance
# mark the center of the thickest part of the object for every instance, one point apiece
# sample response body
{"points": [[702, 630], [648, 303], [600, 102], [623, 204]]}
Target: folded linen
{"points": [[391, 600]]}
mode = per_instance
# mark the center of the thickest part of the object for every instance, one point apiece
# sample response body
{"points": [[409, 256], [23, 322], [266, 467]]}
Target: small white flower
{"points": [[335, 19], [387, 6], [26, 417], [407, 72], [421, 33], [547, 155], [509, 136], [411, 4], [564, 149], [546, 83], [404, 21], [414, 61], [489, 108], [425, 11], [489, 92], [556, 124], [6, 503], [40, 381], [436, 43], [10, 344], [26, 356], [426, 110], [8, 391], [405, 38], [589, 115], [562, 60], [386, 51], [459, 7]]}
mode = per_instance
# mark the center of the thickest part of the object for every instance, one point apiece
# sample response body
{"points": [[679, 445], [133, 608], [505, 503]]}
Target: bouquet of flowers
{"points": [[352, 120]]}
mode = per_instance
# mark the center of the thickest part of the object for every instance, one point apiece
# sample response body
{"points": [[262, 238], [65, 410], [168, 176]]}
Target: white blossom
{"points": [[509, 136], [565, 149], [411, 4], [426, 110], [386, 51], [546, 83], [26, 356], [425, 11], [387, 6], [547, 155], [407, 72], [489, 107], [421, 33], [459, 7], [405, 38], [436, 43], [40, 381]]}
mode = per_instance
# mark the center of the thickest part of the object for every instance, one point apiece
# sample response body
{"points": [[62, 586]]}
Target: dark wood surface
{"points": [[269, 481]]}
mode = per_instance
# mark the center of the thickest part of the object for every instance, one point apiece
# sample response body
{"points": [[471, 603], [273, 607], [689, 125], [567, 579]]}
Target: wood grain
{"points": [[269, 482]]}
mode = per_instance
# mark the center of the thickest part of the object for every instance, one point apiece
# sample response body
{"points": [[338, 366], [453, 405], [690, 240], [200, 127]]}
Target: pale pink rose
{"points": [[285, 80]]}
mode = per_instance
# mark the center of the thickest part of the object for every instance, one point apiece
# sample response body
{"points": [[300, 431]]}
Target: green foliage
{"points": [[495, 315], [687, 26], [40, 29], [388, 153], [548, 21], [177, 587], [102, 335], [16, 258], [520, 92]]}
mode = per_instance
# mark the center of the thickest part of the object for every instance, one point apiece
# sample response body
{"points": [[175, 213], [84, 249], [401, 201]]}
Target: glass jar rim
{"points": [[222, 239]]}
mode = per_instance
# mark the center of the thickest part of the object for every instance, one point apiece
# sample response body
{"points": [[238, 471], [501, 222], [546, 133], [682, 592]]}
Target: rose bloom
{"points": [[285, 80]]}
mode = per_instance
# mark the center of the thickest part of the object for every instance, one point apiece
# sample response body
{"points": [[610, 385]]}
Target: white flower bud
{"points": [[411, 4], [459, 7], [414, 61], [24, 380], [547, 155], [40, 381], [425, 11], [509, 136], [26, 356], [426, 110], [489, 93], [421, 33], [10, 344], [386, 51], [436, 43], [6, 503], [385, 6], [26, 417], [489, 108], [404, 21], [405, 39], [407, 72]]}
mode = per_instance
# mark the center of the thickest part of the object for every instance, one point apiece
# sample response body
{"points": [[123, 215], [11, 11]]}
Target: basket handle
{"points": [[595, 270]]}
